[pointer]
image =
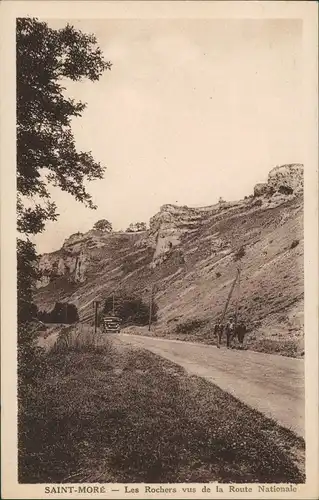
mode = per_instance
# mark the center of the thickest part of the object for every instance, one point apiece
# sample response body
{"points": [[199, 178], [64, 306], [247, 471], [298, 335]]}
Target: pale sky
{"points": [[192, 110]]}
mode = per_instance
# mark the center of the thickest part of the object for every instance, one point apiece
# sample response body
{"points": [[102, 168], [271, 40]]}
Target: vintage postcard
{"points": [[159, 250]]}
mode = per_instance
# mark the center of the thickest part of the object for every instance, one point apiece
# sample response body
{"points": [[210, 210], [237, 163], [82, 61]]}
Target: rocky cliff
{"points": [[188, 254]]}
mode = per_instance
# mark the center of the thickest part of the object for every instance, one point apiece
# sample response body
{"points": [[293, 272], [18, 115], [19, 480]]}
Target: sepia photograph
{"points": [[160, 166]]}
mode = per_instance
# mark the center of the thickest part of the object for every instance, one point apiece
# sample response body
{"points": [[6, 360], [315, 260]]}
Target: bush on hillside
{"points": [[239, 254], [257, 203], [136, 227], [270, 192], [28, 311], [61, 313], [131, 309], [103, 225], [294, 244], [190, 325], [285, 190]]}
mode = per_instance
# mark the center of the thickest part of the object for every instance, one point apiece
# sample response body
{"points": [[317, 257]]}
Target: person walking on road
{"points": [[218, 331], [230, 328], [241, 332]]}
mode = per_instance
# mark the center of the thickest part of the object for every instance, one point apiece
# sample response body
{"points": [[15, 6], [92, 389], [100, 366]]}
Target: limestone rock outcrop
{"points": [[287, 176], [283, 179], [188, 254], [261, 189]]}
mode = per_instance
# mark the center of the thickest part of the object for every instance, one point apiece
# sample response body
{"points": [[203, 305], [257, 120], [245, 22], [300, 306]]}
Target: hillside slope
{"points": [[188, 253]]}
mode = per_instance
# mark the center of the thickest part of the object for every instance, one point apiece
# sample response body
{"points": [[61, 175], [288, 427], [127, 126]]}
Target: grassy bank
{"points": [[109, 413], [274, 341]]}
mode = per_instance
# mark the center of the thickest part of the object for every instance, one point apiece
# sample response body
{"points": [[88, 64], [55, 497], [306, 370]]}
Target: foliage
{"points": [[27, 273], [46, 152], [285, 190], [132, 310], [136, 227], [61, 313], [46, 155], [294, 244], [103, 225], [257, 203], [239, 254], [190, 325], [270, 191]]}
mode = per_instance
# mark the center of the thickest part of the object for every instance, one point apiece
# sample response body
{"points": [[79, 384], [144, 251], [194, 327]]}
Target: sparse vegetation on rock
{"points": [[103, 225], [294, 244], [257, 203], [239, 254], [261, 189], [136, 227], [285, 190], [190, 325]]}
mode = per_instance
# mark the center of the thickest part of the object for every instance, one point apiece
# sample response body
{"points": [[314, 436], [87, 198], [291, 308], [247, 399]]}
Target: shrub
{"points": [[218, 274], [173, 319], [28, 311], [257, 203], [239, 254], [62, 312], [285, 190], [270, 192], [294, 244], [131, 309], [190, 325], [103, 225], [136, 227]]}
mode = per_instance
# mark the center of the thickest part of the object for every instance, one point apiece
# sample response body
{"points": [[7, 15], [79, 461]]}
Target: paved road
{"points": [[269, 383]]}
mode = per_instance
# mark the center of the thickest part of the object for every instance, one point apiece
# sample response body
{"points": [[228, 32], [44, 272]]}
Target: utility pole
{"points": [[150, 308], [66, 312], [227, 301], [238, 294], [96, 308]]}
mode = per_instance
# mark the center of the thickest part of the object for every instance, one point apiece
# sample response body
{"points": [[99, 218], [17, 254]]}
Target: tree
{"points": [[131, 309], [136, 227], [103, 225], [62, 312], [46, 152]]}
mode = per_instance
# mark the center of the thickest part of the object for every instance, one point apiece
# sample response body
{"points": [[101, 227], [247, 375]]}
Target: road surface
{"points": [[272, 384]]}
